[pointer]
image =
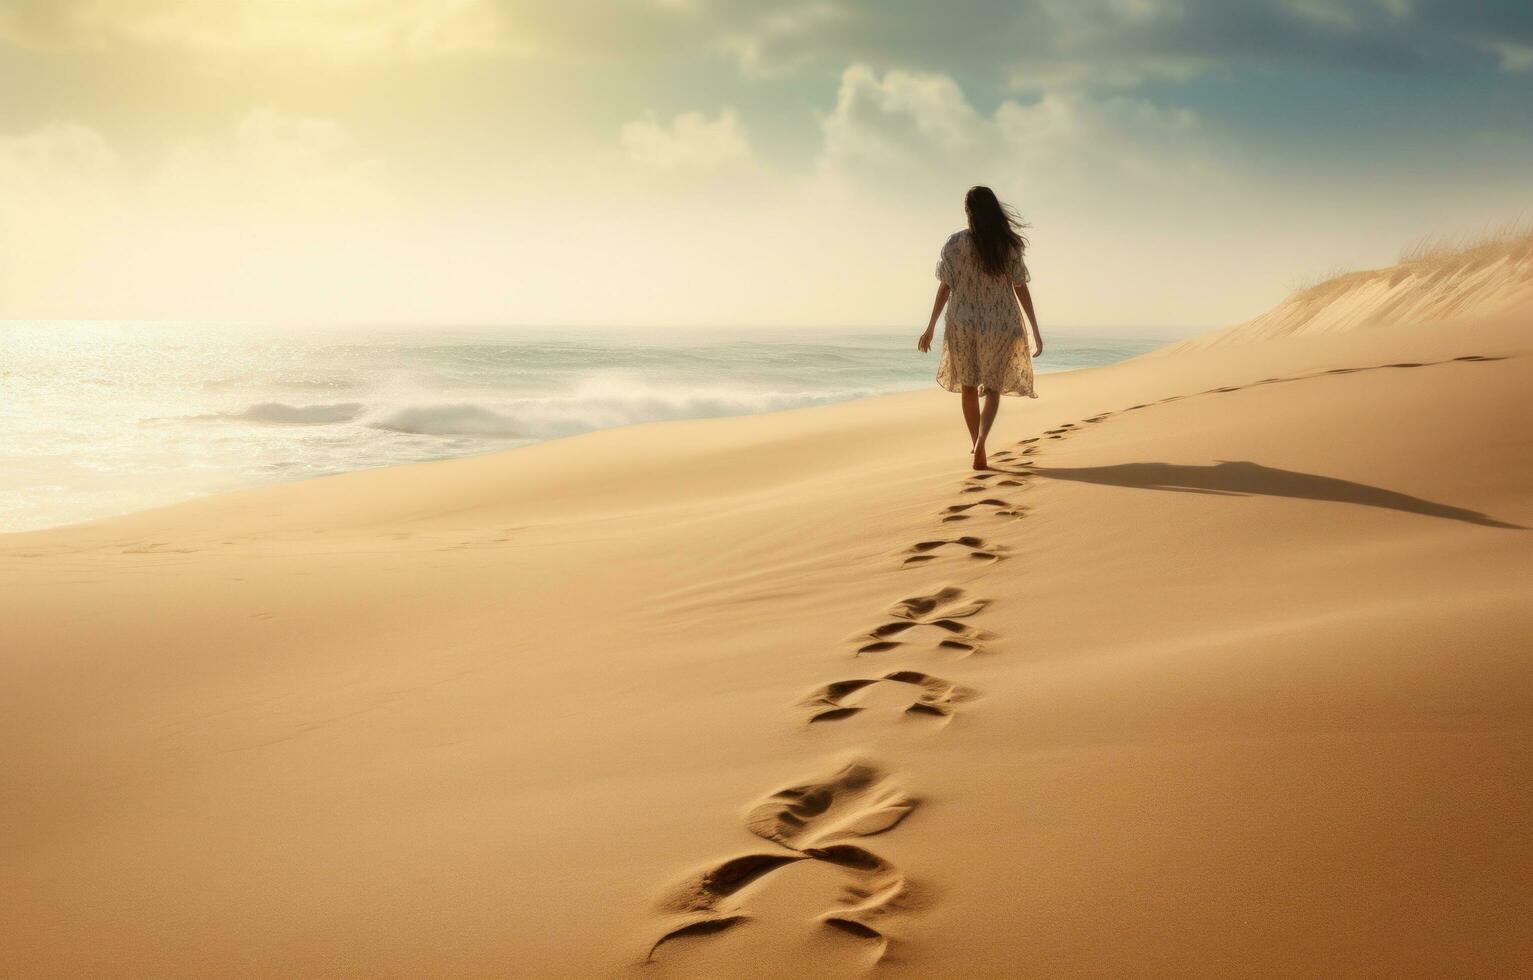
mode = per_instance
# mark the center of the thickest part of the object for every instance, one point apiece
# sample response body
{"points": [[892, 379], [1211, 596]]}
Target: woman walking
{"points": [[983, 284]]}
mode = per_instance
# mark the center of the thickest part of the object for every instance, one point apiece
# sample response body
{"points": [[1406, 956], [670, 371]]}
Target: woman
{"points": [[984, 345]]}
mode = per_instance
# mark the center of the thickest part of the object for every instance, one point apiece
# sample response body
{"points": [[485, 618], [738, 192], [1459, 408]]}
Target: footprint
{"points": [[968, 633], [1001, 478], [950, 601], [862, 888], [856, 801], [933, 695], [977, 549], [812, 821], [988, 502], [942, 610], [1001, 508]]}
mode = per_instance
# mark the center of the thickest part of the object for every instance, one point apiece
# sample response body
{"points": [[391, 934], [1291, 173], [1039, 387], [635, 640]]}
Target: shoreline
{"points": [[303, 427]]}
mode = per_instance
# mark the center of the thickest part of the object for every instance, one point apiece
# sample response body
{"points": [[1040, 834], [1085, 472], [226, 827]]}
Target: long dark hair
{"points": [[996, 229]]}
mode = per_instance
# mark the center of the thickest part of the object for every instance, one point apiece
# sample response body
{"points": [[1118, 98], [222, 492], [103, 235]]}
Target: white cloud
{"points": [[1117, 142], [902, 116], [691, 142], [918, 130]]}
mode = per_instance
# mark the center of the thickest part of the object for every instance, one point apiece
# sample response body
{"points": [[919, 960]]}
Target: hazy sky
{"points": [[716, 162]]}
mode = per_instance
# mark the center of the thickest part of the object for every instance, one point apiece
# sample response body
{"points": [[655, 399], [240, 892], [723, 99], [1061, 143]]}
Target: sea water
{"points": [[99, 419]]}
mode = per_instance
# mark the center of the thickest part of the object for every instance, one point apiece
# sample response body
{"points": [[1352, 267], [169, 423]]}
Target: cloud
{"points": [[776, 42], [882, 120], [337, 31], [691, 142], [918, 130]]}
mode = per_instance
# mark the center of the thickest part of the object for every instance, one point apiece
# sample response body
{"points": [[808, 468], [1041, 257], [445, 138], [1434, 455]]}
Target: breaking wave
{"points": [[596, 403], [280, 413], [448, 420]]}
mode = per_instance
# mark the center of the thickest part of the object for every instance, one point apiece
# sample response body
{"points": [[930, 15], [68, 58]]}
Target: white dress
{"points": [[984, 342]]}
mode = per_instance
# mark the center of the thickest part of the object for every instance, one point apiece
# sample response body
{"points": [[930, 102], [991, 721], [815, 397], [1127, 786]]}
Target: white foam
{"points": [[277, 412], [447, 420], [596, 402]]}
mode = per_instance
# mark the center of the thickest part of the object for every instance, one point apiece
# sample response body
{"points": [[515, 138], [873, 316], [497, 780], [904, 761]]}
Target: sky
{"points": [[1183, 164]]}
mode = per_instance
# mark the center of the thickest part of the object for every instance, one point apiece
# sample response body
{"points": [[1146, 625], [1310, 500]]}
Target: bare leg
{"points": [[992, 406], [970, 399]]}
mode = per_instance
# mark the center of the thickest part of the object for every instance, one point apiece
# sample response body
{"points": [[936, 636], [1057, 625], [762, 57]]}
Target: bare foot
{"points": [[980, 462]]}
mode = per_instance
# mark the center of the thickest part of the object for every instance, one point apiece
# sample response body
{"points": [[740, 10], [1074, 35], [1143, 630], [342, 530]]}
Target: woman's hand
{"points": [[924, 342], [1025, 297]]}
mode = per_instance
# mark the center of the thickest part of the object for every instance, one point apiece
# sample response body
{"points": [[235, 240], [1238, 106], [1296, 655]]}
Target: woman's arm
{"points": [[924, 342], [1025, 296]]}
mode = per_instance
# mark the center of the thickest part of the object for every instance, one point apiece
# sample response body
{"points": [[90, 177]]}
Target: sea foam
{"points": [[280, 413]]}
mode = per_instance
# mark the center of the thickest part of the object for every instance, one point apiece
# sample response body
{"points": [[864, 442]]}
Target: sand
{"points": [[1226, 670]]}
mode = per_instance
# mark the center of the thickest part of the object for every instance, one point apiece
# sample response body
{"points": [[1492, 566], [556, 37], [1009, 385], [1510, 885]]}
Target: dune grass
{"points": [[1432, 254]]}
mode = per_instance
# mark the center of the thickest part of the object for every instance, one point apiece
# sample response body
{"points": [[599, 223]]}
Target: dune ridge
{"points": [[1223, 670], [1433, 284]]}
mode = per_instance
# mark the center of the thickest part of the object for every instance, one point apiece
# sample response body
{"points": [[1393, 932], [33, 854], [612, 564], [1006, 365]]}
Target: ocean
{"points": [[99, 419]]}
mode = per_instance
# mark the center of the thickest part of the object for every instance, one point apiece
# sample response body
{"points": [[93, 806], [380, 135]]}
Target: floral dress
{"points": [[984, 342]]}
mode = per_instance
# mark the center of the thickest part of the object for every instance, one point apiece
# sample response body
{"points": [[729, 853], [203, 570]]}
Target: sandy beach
{"points": [[1224, 670]]}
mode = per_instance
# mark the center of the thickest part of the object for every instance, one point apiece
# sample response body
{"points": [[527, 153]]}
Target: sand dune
{"points": [[1225, 670], [1466, 285]]}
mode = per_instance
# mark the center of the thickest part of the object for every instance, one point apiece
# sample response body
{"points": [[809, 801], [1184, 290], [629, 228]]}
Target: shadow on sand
{"points": [[1244, 478]]}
